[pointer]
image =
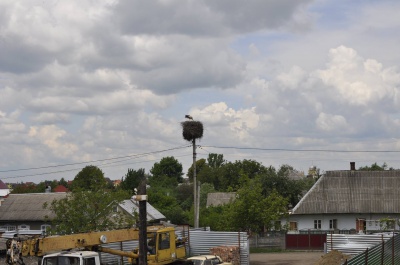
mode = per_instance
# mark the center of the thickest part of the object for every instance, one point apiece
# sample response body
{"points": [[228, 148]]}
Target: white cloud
{"points": [[329, 122], [52, 137], [358, 81]]}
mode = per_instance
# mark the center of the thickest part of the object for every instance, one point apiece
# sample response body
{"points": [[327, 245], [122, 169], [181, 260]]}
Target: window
{"points": [[164, 241], [89, 261], [277, 225], [63, 260], [317, 224], [293, 226], [23, 227], [333, 224], [9, 227]]}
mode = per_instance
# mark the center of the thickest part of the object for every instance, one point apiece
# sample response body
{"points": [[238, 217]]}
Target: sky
{"points": [[282, 82]]}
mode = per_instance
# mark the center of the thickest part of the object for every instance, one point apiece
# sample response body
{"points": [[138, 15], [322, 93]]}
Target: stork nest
{"points": [[192, 130]]}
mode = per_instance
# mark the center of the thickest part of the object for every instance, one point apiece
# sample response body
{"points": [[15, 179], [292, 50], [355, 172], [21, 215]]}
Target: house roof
{"points": [[351, 191], [27, 206], [3, 185], [220, 198], [61, 188], [131, 206]]}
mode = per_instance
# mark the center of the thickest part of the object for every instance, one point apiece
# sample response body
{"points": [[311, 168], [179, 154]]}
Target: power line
{"points": [[96, 161], [301, 150]]}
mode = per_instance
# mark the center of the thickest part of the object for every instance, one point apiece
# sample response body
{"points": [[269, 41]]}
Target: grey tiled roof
{"points": [[28, 206], [351, 191], [220, 198]]}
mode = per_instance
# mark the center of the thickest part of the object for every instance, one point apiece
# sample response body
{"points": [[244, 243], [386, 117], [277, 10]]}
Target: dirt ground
{"points": [[291, 258], [279, 258]]}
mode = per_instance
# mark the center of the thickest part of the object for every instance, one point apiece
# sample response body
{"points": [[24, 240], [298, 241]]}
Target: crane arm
{"points": [[42, 246]]}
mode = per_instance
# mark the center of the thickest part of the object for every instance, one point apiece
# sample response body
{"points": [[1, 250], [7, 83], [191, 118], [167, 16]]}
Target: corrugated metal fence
{"points": [[387, 252], [200, 242], [354, 244]]}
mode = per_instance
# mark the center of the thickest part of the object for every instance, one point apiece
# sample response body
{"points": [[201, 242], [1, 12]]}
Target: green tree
{"points": [[24, 188], [63, 182], [89, 178], [376, 167], [165, 200], [200, 166], [215, 160], [168, 168], [84, 211], [251, 211], [132, 179], [230, 174], [184, 196]]}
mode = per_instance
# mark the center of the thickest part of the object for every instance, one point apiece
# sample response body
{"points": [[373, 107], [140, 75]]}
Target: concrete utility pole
{"points": [[193, 130], [195, 191]]}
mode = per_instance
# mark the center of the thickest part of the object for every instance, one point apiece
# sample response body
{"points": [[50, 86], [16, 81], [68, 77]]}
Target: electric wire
{"points": [[99, 160], [303, 150]]}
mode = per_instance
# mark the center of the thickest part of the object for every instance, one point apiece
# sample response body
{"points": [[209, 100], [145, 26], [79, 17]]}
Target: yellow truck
{"points": [[164, 247]]}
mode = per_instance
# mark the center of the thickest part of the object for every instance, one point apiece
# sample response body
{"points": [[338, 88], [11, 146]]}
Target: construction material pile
{"points": [[332, 258], [227, 253]]}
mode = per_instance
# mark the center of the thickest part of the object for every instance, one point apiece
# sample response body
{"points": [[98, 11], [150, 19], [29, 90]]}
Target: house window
{"points": [[44, 228], [277, 225], [293, 226], [115, 208], [333, 224], [24, 227], [317, 224], [9, 227]]}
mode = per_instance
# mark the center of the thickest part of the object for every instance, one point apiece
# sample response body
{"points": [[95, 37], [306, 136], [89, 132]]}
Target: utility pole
{"points": [[195, 191], [193, 130], [142, 199]]}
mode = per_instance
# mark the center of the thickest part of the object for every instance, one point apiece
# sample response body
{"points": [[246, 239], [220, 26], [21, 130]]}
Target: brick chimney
{"points": [[352, 165]]}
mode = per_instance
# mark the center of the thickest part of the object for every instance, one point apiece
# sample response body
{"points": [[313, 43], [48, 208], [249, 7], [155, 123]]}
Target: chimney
{"points": [[352, 165]]}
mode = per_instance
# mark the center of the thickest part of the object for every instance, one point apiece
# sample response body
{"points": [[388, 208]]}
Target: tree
{"points": [[89, 178], [251, 211], [215, 160], [168, 167], [229, 174], [376, 167], [132, 179], [200, 166], [165, 199], [84, 211]]}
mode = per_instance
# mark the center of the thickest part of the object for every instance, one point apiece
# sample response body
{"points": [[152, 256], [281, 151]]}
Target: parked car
{"points": [[208, 260]]}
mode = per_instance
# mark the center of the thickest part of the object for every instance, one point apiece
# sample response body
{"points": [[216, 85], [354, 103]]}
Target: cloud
{"points": [[329, 122], [357, 81]]}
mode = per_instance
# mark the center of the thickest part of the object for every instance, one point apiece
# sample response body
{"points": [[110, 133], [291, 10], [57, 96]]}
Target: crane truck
{"points": [[164, 247]]}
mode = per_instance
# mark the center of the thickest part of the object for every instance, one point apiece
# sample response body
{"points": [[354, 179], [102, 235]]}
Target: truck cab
{"points": [[72, 258]]}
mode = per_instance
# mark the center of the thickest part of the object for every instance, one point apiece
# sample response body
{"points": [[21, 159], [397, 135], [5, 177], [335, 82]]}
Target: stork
{"points": [[188, 117]]}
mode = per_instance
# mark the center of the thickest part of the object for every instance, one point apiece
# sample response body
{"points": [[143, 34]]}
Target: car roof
{"points": [[204, 257]]}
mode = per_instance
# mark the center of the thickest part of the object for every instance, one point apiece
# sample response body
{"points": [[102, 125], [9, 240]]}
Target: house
{"points": [[349, 200], [26, 212], [131, 206], [220, 198], [4, 189], [61, 188]]}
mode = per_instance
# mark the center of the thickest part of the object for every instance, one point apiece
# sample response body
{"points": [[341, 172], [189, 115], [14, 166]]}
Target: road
{"points": [[286, 258]]}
